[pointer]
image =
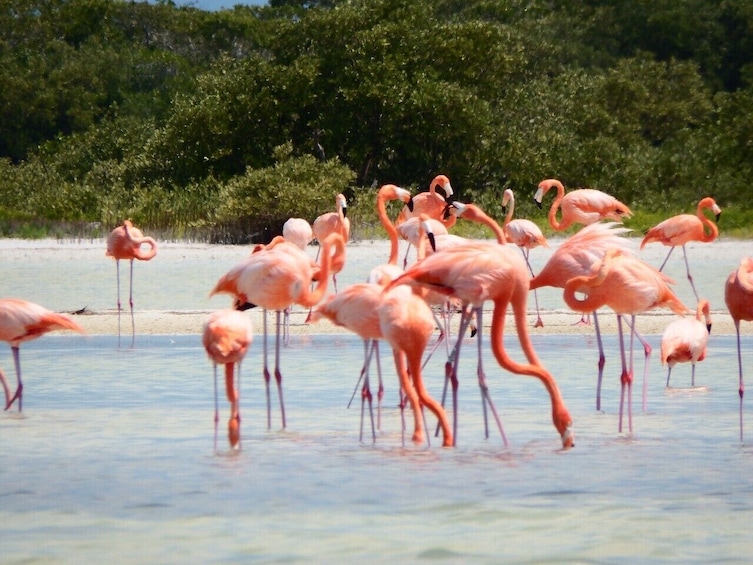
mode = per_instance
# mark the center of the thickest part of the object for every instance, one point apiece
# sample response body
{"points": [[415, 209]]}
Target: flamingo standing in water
{"points": [[576, 257], [481, 271], [124, 242], [274, 278], [738, 295], [686, 339], [628, 286], [226, 336], [684, 228], [582, 206], [526, 235], [23, 321], [334, 222]]}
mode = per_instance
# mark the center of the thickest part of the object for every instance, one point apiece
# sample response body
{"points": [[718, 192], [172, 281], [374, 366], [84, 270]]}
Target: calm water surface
{"points": [[113, 460]]}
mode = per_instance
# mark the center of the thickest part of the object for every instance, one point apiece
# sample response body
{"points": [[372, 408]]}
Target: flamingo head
{"points": [[443, 183], [342, 203], [564, 424]]}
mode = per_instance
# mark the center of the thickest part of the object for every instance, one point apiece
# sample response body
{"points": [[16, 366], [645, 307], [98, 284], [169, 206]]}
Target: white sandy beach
{"points": [[170, 292]]}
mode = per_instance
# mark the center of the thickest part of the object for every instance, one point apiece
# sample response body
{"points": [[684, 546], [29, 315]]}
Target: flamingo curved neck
{"points": [[713, 231], [559, 226], [389, 227], [308, 298]]}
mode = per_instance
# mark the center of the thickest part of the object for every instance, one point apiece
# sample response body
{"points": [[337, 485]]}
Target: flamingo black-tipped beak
{"points": [[538, 204], [432, 241], [243, 306], [718, 216], [708, 328], [345, 210], [410, 204], [447, 213]]}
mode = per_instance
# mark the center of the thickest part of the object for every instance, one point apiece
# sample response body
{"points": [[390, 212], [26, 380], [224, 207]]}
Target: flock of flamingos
{"points": [[402, 305]]}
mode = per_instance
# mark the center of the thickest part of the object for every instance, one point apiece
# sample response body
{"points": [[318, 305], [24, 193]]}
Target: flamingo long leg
{"points": [[267, 376], [278, 374], [485, 397], [741, 390], [687, 270], [216, 408], [19, 394], [671, 249], [130, 303]]}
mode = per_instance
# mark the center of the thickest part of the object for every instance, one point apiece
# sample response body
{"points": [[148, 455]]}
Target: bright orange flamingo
{"points": [[481, 271], [686, 339], [334, 222], [738, 295], [576, 257], [628, 286], [298, 232], [274, 278], [23, 321], [684, 228], [124, 242], [430, 203], [434, 205], [227, 335], [582, 206], [526, 235], [407, 323]]}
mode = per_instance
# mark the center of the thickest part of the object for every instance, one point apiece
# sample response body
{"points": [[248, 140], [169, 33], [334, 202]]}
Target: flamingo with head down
{"points": [[124, 242], [685, 340], [581, 206], [628, 286]]}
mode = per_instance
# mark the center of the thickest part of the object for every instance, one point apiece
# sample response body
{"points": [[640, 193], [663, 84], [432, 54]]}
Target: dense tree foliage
{"points": [[223, 124]]}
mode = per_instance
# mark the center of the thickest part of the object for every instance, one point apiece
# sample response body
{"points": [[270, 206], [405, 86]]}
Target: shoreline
{"points": [[559, 322]]}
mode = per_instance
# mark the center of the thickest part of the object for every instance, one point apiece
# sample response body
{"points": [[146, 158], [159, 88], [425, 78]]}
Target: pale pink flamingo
{"points": [[684, 228], [738, 295], [582, 206], [226, 336], [575, 257], [629, 286], [526, 235], [23, 321], [686, 339], [124, 242], [334, 222], [481, 271], [274, 278], [298, 232]]}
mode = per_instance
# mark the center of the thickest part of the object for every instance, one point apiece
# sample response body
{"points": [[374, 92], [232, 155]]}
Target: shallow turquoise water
{"points": [[113, 460]]}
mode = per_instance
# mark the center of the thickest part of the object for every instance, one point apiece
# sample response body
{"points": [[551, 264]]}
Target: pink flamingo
{"points": [[124, 242], [526, 235], [684, 228], [738, 295], [582, 206], [576, 257], [686, 339], [298, 232], [334, 222], [274, 278], [628, 286], [434, 205], [23, 321], [226, 336], [481, 271]]}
